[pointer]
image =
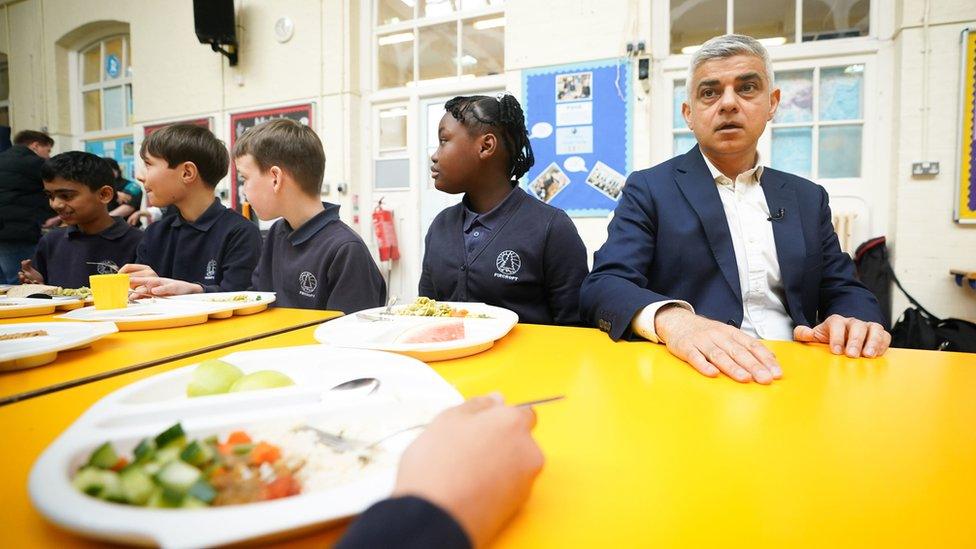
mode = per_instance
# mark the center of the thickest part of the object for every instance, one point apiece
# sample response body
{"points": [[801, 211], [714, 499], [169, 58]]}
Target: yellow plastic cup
{"points": [[111, 291]]}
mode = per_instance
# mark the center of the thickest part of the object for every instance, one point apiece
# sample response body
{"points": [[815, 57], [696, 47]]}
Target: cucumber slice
{"points": [[158, 500], [155, 498], [190, 502], [111, 486], [144, 451], [178, 476], [167, 454], [197, 453], [171, 435], [104, 457], [243, 449], [172, 497], [137, 485], [88, 481], [203, 491]]}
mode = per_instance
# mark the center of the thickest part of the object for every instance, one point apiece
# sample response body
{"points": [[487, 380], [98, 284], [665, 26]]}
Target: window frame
{"points": [[869, 110], [398, 153], [79, 88], [815, 124], [798, 24], [414, 26]]}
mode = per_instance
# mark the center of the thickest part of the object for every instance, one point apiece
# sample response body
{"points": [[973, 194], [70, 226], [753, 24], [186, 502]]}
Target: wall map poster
{"points": [[579, 121], [965, 210], [242, 121]]}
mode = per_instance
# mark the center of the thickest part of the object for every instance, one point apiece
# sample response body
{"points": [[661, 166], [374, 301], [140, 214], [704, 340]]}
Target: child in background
{"points": [[499, 246], [78, 186], [204, 247], [123, 206], [311, 259]]}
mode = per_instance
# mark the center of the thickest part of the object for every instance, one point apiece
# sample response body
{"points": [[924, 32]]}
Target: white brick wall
{"points": [[925, 242]]}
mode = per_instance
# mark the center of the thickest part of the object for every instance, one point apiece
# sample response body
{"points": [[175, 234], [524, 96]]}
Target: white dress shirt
{"points": [[760, 281]]}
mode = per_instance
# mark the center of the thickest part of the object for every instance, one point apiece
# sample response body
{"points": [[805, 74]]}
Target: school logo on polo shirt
{"points": [[307, 284], [508, 264], [107, 267], [211, 270]]}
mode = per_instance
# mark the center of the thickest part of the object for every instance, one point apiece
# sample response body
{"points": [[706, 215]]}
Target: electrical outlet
{"points": [[921, 169]]}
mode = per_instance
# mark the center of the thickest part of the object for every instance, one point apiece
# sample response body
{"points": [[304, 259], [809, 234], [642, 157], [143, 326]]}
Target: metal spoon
{"points": [[368, 384]]}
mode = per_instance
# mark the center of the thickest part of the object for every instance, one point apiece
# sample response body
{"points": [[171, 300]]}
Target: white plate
{"points": [[357, 331], [13, 307], [409, 393], [16, 354], [256, 302], [150, 314]]}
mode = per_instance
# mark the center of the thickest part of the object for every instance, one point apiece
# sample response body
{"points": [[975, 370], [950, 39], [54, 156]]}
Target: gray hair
{"points": [[725, 46]]}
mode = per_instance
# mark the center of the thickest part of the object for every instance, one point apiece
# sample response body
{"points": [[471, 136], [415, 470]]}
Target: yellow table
{"points": [[644, 452], [128, 351]]}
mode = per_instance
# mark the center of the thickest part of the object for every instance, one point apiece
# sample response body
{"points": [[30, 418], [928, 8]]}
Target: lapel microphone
{"points": [[777, 216]]}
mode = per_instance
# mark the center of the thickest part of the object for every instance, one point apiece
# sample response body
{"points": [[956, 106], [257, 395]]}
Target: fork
{"points": [[377, 317], [112, 266], [342, 444]]}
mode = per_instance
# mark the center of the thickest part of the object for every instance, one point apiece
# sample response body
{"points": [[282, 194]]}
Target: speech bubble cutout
{"points": [[541, 130], [575, 164]]}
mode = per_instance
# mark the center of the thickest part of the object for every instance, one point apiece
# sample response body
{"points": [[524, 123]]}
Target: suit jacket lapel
{"points": [[787, 233], [699, 189]]}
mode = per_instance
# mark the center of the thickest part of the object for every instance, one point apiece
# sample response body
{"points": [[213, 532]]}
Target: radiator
{"points": [[844, 227]]}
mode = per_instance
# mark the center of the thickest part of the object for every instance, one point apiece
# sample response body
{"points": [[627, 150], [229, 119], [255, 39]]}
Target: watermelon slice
{"points": [[433, 332]]}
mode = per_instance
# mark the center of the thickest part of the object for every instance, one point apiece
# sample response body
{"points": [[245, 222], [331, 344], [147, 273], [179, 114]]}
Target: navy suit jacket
{"points": [[669, 239]]}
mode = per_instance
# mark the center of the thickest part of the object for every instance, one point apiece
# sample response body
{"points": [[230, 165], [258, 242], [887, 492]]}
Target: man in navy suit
{"points": [[711, 251]]}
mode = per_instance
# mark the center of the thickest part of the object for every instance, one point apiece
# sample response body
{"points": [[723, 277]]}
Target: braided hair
{"points": [[504, 115]]}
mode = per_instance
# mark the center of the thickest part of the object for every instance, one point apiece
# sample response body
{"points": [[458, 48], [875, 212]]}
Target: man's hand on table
{"points": [[712, 347], [849, 336], [477, 461]]}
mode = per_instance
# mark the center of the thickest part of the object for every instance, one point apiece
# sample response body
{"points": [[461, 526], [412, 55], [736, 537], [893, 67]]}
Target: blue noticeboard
{"points": [[119, 148], [579, 120]]}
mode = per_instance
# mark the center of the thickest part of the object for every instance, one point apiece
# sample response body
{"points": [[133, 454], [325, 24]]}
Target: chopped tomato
{"points": [[265, 453], [238, 437], [459, 313], [120, 464], [281, 487]]}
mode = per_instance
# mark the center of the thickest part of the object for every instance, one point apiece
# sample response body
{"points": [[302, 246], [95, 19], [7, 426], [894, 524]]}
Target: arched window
{"points": [[105, 85]]}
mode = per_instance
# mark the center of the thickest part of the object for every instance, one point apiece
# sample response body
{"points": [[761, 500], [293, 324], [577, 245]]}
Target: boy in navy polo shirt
{"points": [[311, 259], [205, 247], [78, 186], [499, 246]]}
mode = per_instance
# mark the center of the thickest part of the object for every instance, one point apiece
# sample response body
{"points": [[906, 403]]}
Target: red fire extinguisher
{"points": [[385, 232]]}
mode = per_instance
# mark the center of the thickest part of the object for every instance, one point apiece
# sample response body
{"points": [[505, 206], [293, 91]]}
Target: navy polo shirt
{"points": [[321, 265], [218, 251], [527, 257], [63, 254]]}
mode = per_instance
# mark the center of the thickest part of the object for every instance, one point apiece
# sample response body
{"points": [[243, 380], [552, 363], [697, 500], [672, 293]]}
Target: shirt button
{"points": [[464, 267], [476, 233]]}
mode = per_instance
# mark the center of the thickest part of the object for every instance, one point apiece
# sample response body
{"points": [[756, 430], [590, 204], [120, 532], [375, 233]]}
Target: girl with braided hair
{"points": [[500, 245]]}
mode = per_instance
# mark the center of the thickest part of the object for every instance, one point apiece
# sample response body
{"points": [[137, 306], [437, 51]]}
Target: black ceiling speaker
{"points": [[214, 23]]}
